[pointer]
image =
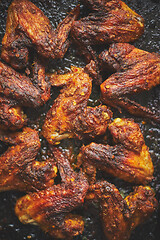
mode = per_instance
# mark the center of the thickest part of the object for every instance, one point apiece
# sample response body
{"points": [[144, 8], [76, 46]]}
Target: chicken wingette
{"points": [[27, 27], [70, 116], [136, 71], [129, 160], [109, 21], [18, 168], [11, 115], [50, 208], [121, 216], [17, 91]]}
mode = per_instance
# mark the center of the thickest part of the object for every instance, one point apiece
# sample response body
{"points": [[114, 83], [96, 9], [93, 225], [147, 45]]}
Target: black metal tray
{"points": [[56, 10]]}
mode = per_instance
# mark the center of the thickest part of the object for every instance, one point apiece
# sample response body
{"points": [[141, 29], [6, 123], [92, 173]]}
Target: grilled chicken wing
{"points": [[11, 115], [18, 90], [28, 27], [120, 162], [121, 216], [127, 132], [18, 168], [50, 208], [137, 71], [109, 21], [129, 160], [69, 116]]}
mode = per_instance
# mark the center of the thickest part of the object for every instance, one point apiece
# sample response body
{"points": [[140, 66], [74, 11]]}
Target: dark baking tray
{"points": [[10, 227]]}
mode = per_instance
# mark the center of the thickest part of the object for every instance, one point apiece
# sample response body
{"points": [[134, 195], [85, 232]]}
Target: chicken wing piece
{"points": [[71, 226], [28, 27], [50, 208], [11, 116], [110, 21], [69, 116], [128, 133], [18, 168], [121, 216], [123, 131], [27, 92], [18, 90], [129, 160], [119, 162], [137, 71]]}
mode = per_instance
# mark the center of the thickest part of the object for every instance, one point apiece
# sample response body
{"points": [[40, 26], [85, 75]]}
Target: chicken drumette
{"points": [[121, 216], [70, 116], [136, 71], [129, 159], [28, 27], [50, 208], [17, 90], [18, 168]]}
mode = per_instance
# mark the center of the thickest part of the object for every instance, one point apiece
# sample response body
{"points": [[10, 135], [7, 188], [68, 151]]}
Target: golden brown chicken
{"points": [[121, 216], [129, 160], [50, 208], [27, 27], [120, 162], [18, 168], [70, 116], [17, 90], [11, 115], [109, 21], [127, 132], [136, 71]]}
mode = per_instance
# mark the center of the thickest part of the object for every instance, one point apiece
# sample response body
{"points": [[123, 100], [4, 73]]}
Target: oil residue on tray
{"points": [[10, 227]]}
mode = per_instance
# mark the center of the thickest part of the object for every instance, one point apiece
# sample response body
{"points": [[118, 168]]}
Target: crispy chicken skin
{"points": [[128, 133], [11, 115], [28, 92], [89, 169], [129, 160], [93, 121], [28, 27], [17, 91], [109, 21], [123, 131], [92, 68], [72, 225], [136, 71], [50, 208], [119, 162], [121, 216], [18, 168], [69, 116]]}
